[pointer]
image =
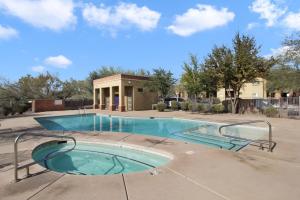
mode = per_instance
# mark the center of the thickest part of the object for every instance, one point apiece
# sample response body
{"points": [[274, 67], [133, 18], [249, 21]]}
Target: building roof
{"points": [[123, 76]]}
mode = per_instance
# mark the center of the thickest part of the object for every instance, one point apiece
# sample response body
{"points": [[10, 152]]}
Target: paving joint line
{"points": [[198, 184], [48, 185], [124, 183]]}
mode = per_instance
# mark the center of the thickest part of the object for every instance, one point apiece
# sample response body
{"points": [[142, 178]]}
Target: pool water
{"points": [[96, 159], [193, 131]]}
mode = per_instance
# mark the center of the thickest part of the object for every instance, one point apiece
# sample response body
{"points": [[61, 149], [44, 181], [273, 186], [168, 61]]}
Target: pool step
{"points": [[214, 141], [217, 138]]}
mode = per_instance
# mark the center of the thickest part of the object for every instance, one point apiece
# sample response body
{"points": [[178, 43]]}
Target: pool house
{"points": [[123, 92]]}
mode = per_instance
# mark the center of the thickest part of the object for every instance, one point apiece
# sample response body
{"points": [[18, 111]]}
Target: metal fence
{"points": [[74, 104], [286, 106]]}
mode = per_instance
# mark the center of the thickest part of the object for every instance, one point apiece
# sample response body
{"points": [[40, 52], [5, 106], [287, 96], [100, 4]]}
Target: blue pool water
{"points": [[193, 131], [96, 159]]}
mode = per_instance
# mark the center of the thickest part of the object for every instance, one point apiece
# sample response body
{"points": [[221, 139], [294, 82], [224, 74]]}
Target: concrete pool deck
{"points": [[196, 172]]}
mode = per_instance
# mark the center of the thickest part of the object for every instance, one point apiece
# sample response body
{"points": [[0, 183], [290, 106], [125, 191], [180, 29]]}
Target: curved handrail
{"points": [[56, 153], [37, 134], [270, 142]]}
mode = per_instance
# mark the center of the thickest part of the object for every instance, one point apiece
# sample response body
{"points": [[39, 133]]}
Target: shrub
{"points": [[216, 101], [217, 108], [21, 108], [184, 106], [161, 107], [271, 112], [206, 108], [191, 106], [174, 105], [6, 110], [200, 107]]}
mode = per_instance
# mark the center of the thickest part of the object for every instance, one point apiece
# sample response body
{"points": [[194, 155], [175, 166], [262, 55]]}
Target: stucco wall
{"points": [[256, 90], [142, 100]]}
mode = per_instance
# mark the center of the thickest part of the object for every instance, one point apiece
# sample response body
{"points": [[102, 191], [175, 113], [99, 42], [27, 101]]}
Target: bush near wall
{"points": [[206, 108], [184, 106], [19, 108], [161, 107], [174, 105], [271, 112], [191, 107], [217, 108], [200, 107]]}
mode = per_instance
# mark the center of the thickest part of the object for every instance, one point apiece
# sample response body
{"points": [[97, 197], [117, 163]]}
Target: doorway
{"points": [[129, 98]]}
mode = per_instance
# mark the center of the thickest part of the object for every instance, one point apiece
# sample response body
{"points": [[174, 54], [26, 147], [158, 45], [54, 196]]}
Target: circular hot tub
{"points": [[97, 159]]}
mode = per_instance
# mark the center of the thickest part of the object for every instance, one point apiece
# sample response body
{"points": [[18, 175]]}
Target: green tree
{"points": [[216, 73], [11, 100], [233, 68], [75, 89], [283, 78], [291, 56], [162, 81], [285, 75], [43, 86], [191, 77]]}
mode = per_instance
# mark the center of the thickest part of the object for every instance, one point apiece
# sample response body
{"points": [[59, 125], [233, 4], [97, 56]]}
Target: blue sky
{"points": [[72, 37]]}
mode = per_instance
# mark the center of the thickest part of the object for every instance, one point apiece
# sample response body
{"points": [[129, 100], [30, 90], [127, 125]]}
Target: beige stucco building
{"points": [[123, 92], [254, 90]]}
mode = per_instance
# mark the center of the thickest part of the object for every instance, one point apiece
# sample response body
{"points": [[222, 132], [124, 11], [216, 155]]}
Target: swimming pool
{"points": [[97, 159], [193, 131]]}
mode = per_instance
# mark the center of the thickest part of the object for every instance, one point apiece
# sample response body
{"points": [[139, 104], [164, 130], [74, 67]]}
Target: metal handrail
{"points": [[83, 111], [41, 135], [270, 142]]}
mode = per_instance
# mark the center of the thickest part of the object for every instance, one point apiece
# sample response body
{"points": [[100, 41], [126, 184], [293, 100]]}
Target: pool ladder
{"points": [[18, 167], [82, 111], [261, 143]]}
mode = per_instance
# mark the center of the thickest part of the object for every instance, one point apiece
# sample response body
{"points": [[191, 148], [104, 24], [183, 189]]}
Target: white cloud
{"points": [[7, 32], [292, 21], [277, 51], [121, 16], [268, 10], [51, 14], [38, 68], [201, 18], [59, 61], [252, 25]]}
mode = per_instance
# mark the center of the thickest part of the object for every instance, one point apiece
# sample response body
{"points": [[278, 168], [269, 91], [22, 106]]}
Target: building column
{"points": [[121, 98], [111, 99], [94, 98], [100, 98], [133, 98]]}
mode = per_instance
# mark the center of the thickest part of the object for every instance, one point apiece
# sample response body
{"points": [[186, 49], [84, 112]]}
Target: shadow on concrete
{"points": [[157, 141]]}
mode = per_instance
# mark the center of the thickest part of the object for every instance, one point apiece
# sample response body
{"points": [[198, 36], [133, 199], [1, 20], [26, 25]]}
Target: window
{"points": [[140, 90]]}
